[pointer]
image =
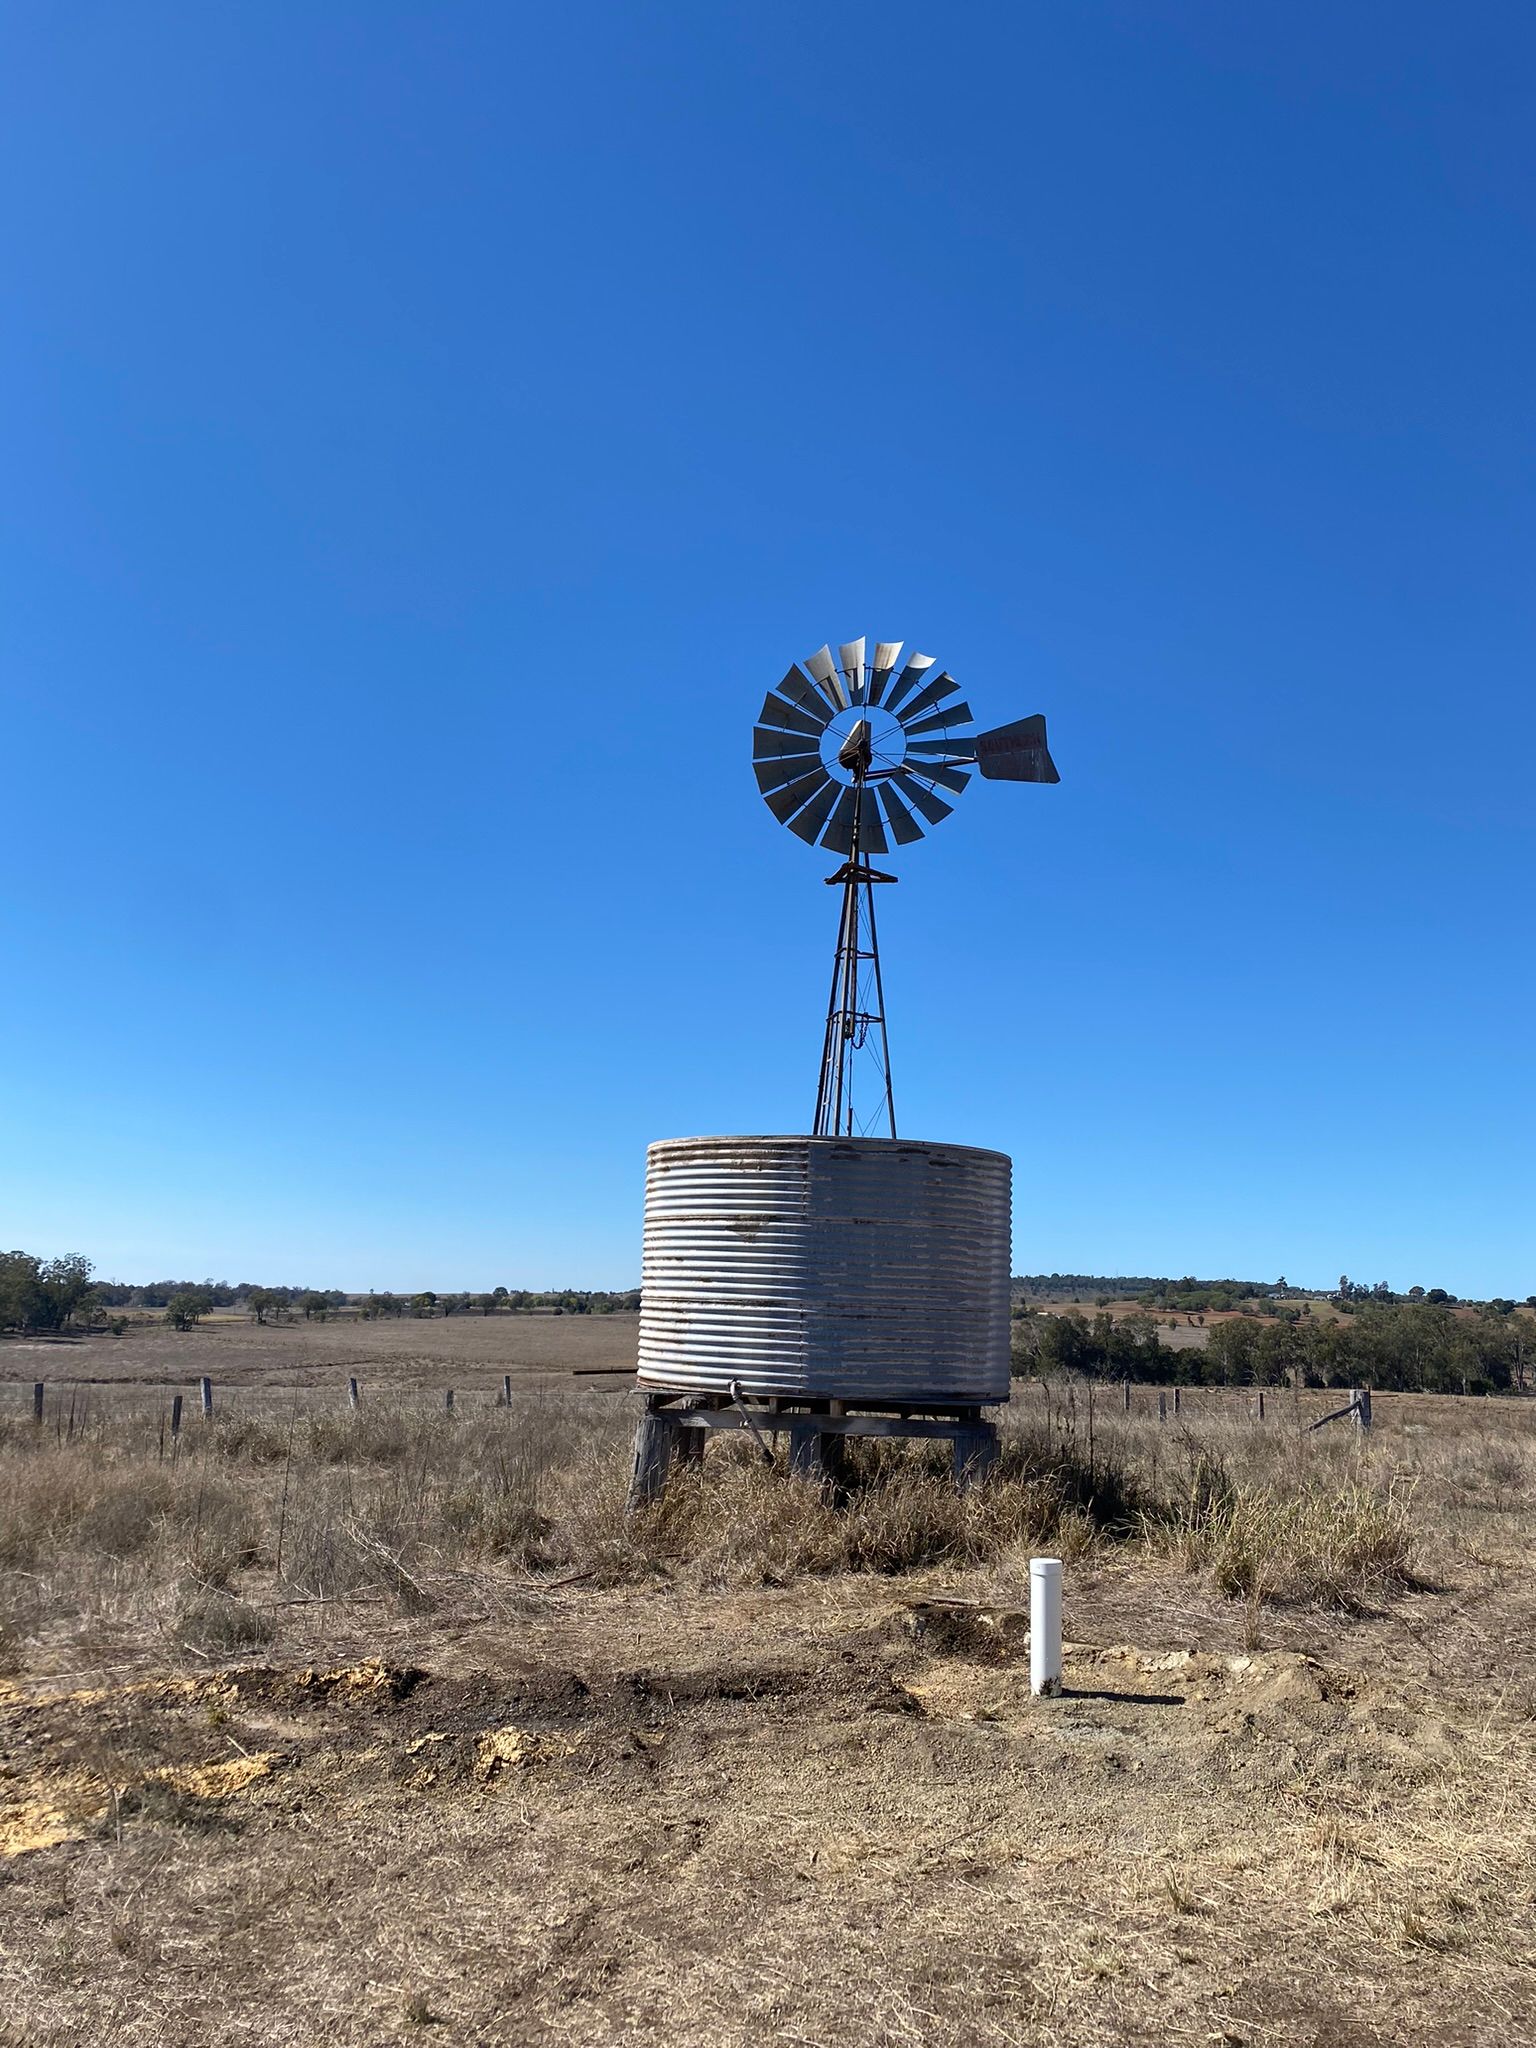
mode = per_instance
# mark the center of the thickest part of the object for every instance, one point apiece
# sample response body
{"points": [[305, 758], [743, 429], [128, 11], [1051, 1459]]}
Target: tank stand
{"points": [[677, 1427]]}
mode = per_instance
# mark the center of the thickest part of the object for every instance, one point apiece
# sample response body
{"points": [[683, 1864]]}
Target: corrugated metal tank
{"points": [[852, 1269]]}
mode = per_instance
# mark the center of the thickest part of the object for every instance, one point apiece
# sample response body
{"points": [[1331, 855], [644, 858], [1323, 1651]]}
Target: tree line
{"points": [[1408, 1347], [40, 1295]]}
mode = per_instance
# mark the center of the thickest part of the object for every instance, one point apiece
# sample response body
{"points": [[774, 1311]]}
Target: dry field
{"points": [[407, 1352], [392, 1727]]}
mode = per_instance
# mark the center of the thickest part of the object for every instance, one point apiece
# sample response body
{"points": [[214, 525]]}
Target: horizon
{"points": [[1065, 1276]]}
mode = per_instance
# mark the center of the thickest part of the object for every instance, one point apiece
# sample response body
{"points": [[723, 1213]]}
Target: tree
{"points": [[184, 1309], [262, 1302], [424, 1303], [39, 1294], [18, 1289], [315, 1306]]}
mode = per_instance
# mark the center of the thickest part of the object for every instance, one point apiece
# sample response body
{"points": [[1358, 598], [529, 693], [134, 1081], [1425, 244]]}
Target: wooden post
{"points": [[352, 1392], [1175, 1400], [688, 1449], [37, 1402], [1360, 1400], [1259, 1409], [1162, 1406], [506, 1390], [175, 1417], [805, 1451], [655, 1438], [1127, 1393], [448, 1401], [206, 1386], [975, 1454]]}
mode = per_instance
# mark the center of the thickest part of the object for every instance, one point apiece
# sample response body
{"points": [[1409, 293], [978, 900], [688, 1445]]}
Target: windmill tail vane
{"points": [[852, 754]]}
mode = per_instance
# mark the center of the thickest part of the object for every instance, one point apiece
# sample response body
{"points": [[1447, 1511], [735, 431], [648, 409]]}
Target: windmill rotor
{"points": [[918, 740]]}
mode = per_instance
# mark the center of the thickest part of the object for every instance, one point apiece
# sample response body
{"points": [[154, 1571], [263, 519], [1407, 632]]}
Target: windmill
{"points": [[853, 755]]}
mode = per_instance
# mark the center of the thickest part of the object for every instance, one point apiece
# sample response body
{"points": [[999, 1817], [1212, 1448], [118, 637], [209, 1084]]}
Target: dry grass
{"points": [[130, 1535], [339, 1725]]}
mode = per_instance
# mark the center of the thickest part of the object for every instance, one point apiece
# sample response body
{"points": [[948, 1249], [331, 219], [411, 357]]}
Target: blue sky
{"points": [[428, 430]]}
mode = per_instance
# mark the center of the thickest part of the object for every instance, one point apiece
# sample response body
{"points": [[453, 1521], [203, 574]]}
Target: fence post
{"points": [[37, 1401], [1360, 1399], [205, 1387], [506, 1390], [175, 1417], [1127, 1397], [1162, 1406], [448, 1401], [1175, 1400], [1259, 1410], [352, 1392]]}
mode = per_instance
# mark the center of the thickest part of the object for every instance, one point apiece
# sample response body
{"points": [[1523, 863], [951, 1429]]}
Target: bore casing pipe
{"points": [[1045, 1626]]}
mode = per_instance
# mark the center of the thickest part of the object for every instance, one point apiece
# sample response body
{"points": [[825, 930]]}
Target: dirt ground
{"points": [[825, 1815], [550, 1810]]}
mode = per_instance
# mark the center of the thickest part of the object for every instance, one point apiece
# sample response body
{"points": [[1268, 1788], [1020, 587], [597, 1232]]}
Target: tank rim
{"points": [[804, 1138]]}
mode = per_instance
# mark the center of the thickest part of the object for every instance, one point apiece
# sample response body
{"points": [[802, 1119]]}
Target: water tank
{"points": [[871, 1269]]}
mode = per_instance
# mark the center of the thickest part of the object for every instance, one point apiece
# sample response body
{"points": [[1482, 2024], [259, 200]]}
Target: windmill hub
{"points": [[875, 738]]}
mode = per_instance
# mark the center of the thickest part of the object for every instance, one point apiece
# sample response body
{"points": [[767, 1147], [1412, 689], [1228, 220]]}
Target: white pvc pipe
{"points": [[1045, 1625]]}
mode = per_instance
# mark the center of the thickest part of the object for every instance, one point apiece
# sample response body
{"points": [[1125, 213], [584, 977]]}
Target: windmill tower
{"points": [[853, 755]]}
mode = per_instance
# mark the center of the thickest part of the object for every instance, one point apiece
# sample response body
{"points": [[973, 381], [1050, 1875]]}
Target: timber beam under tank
{"points": [[677, 1428]]}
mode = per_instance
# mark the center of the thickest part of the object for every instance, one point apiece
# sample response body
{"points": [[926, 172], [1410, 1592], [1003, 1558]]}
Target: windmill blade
{"points": [[1017, 752], [904, 826], [788, 768], [941, 687], [820, 666], [952, 714], [917, 667], [839, 834], [935, 771], [810, 821], [953, 750], [871, 831], [799, 691], [933, 807], [887, 654], [850, 659], [768, 745], [789, 717], [785, 802]]}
